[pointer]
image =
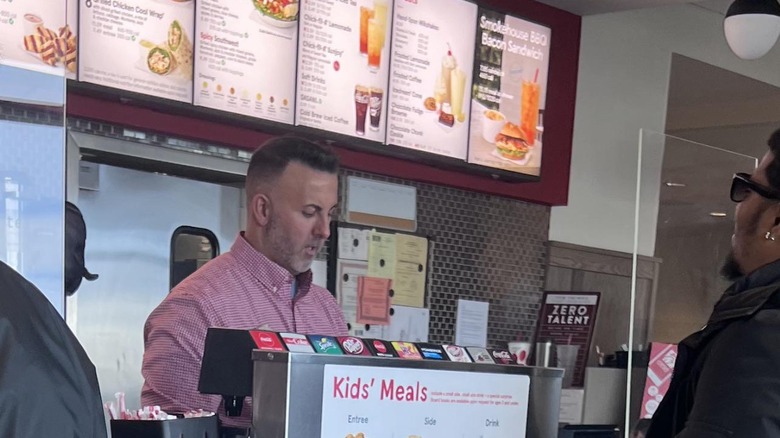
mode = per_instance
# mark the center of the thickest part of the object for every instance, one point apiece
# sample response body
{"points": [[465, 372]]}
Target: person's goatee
{"points": [[730, 269]]}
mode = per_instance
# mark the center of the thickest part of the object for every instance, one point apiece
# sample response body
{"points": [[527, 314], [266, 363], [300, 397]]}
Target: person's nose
{"points": [[322, 229]]}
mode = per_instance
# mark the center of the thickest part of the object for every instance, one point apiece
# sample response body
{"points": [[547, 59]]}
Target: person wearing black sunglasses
{"points": [[726, 381]]}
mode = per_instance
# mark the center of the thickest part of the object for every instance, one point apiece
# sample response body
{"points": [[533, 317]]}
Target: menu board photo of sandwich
{"points": [[245, 57], [343, 64], [138, 46], [37, 35], [430, 75], [511, 64]]}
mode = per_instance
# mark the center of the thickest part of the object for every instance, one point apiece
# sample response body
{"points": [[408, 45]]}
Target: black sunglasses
{"points": [[742, 185]]}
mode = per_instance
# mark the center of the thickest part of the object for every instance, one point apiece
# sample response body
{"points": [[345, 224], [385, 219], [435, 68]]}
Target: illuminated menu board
{"points": [[37, 35], [510, 84], [430, 76], [138, 45], [245, 57], [343, 65]]}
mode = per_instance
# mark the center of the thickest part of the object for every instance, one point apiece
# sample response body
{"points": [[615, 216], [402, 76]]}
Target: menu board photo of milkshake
{"points": [[139, 46], [343, 65], [245, 52], [433, 52], [510, 84], [36, 35]]}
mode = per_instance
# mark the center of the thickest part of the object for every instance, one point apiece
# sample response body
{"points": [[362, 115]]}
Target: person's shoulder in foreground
{"points": [[48, 386], [727, 376]]}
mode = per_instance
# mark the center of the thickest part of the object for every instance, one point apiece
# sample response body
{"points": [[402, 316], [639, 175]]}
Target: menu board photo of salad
{"points": [[245, 57], [143, 46], [430, 76], [36, 35], [508, 97], [343, 64]]}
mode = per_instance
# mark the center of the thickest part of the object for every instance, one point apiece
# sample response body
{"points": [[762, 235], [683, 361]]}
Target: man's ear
{"points": [[775, 230], [261, 208]]}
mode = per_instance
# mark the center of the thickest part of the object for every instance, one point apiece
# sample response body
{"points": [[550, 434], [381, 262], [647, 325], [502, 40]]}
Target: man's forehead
{"points": [[760, 174]]}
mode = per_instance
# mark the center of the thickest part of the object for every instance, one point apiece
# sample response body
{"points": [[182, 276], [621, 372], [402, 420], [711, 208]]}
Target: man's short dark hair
{"points": [[773, 169], [272, 158]]}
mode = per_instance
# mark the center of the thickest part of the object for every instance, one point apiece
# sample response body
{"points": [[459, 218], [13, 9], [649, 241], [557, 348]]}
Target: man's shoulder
{"points": [[208, 278]]}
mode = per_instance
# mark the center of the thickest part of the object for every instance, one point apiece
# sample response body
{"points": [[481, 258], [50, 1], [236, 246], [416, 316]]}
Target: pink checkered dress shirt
{"points": [[239, 289]]}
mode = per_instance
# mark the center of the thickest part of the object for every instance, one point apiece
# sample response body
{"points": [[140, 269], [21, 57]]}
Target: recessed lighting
{"points": [[674, 184], [717, 214]]}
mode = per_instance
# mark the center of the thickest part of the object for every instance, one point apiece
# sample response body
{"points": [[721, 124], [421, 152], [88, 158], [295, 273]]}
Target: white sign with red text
{"points": [[424, 403]]}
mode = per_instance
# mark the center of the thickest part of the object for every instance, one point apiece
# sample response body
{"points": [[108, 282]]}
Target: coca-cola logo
{"points": [[295, 341], [502, 355], [352, 346], [380, 347], [266, 339]]}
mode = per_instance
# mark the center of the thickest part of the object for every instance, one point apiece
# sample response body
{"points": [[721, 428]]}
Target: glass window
{"points": [[191, 248]]}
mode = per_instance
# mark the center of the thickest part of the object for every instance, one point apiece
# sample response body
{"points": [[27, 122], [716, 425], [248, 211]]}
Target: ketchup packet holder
{"points": [[203, 427]]}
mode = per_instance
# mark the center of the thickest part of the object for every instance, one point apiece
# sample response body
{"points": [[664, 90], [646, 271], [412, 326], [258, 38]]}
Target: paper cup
{"points": [[492, 122], [520, 351]]}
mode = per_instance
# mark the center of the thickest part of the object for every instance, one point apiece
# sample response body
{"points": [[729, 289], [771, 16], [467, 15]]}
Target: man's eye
{"points": [[308, 214]]}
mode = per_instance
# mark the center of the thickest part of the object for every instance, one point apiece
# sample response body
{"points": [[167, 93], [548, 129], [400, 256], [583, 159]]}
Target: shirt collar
{"points": [[268, 273], [762, 276]]}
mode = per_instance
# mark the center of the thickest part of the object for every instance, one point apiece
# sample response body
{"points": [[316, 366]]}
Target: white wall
{"points": [[622, 87]]}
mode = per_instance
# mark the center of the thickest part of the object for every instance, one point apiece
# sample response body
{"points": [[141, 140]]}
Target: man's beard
{"points": [[730, 269]]}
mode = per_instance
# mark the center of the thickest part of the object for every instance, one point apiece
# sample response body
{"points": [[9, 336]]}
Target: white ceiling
{"points": [[592, 7]]}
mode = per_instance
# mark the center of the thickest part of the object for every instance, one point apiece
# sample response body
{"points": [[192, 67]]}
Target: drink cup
{"points": [[375, 108], [520, 351], [529, 110], [365, 15], [361, 108]]}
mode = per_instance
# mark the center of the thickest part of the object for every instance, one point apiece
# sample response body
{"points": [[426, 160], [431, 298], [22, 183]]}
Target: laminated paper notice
{"points": [[410, 270], [373, 300], [381, 255], [347, 287]]}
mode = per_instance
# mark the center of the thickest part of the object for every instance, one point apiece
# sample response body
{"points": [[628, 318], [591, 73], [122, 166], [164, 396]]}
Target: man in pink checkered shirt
{"points": [[264, 281]]}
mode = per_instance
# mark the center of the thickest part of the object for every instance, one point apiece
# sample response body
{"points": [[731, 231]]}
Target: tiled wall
{"points": [[486, 248]]}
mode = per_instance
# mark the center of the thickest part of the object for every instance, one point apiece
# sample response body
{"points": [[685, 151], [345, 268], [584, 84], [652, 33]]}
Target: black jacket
{"points": [[48, 386], [726, 380]]}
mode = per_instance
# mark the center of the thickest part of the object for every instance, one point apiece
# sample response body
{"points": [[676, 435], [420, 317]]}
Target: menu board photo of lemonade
{"points": [[37, 35], [433, 52], [510, 83], [246, 57], [139, 46], [343, 64]]}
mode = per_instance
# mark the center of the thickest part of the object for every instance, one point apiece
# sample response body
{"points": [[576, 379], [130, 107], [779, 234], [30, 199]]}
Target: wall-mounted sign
{"points": [[430, 75], [343, 63], [511, 64], [246, 54], [139, 46]]}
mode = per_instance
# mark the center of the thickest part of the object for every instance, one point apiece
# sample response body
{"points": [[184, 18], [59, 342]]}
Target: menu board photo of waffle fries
{"points": [[53, 47], [40, 36]]}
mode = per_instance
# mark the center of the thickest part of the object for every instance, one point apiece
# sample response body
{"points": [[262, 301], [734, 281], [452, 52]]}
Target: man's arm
{"points": [[174, 336], [738, 392]]}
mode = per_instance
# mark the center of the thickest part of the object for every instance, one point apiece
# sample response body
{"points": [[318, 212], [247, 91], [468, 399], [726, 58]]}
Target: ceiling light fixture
{"points": [[673, 184], [717, 214], [752, 27]]}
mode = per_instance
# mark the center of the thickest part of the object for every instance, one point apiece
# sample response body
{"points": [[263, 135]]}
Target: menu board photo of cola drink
{"points": [[343, 65], [140, 46], [39, 36], [430, 76], [508, 97], [245, 57]]}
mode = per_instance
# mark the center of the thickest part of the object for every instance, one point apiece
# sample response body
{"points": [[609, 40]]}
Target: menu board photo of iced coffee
{"points": [[511, 64], [36, 35], [430, 76], [140, 46], [245, 57], [343, 64]]}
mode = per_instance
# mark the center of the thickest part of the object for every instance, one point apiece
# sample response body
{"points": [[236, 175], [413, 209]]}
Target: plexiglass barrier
{"points": [[684, 221]]}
